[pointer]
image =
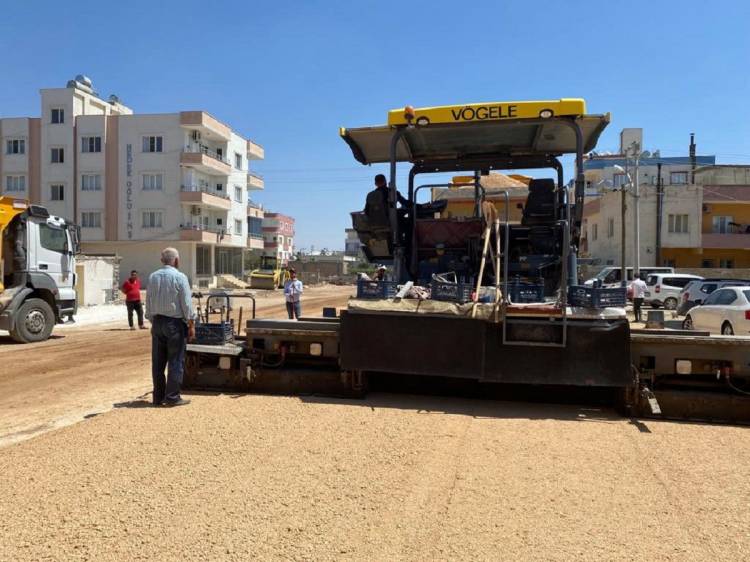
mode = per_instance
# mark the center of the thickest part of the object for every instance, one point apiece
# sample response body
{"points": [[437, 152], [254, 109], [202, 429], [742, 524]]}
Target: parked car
{"points": [[663, 289], [611, 275], [726, 311], [697, 291]]}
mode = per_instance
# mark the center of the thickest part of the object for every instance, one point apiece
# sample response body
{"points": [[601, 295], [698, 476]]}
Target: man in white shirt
{"points": [[639, 291], [293, 294]]}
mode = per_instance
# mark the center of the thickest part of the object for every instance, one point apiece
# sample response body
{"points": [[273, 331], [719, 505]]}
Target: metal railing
{"points": [[201, 149], [204, 228], [255, 175], [203, 189]]}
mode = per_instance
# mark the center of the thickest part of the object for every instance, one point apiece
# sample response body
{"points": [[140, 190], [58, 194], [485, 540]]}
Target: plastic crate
{"points": [[596, 297], [452, 292], [520, 292], [213, 333], [376, 289]]}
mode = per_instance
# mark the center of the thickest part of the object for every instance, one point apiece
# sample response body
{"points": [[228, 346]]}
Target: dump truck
{"points": [[37, 270], [482, 299], [270, 275]]}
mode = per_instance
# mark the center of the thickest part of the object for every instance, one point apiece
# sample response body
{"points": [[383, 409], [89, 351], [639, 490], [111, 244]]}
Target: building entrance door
{"points": [[229, 261]]}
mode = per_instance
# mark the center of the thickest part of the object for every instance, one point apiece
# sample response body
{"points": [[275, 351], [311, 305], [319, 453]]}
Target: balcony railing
{"points": [[254, 205], [204, 189], [204, 228], [201, 149], [255, 174]]}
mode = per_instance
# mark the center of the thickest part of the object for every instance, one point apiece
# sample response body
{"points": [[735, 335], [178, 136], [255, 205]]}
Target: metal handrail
{"points": [[203, 189], [207, 151], [255, 174]]}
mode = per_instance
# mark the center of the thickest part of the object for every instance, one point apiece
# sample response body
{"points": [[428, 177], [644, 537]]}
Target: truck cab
{"points": [[37, 270]]}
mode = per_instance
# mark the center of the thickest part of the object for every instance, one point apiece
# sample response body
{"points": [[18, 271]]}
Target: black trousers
{"points": [[136, 306], [637, 304]]}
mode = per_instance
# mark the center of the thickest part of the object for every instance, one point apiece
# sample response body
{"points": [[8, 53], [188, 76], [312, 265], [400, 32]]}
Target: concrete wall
{"points": [[97, 279]]}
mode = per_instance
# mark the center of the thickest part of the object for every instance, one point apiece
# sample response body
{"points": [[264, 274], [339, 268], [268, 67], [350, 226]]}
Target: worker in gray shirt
{"points": [[169, 308]]}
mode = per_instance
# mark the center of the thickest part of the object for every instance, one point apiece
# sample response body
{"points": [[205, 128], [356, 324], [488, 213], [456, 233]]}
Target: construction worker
{"points": [[293, 295], [380, 273], [132, 289], [376, 205], [639, 291], [170, 310]]}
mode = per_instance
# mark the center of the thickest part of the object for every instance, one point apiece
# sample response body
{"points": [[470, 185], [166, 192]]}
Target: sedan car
{"points": [[725, 311]]}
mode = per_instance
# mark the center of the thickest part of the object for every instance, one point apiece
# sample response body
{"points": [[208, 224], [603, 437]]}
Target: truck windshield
{"points": [[53, 238]]}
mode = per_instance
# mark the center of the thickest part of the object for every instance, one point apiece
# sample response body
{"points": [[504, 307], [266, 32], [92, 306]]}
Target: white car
{"points": [[726, 312], [663, 289]]}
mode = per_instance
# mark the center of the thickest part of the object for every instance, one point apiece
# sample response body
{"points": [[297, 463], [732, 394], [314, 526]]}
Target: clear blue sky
{"points": [[289, 74]]}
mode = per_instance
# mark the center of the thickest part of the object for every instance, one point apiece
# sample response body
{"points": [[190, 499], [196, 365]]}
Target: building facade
{"points": [[702, 225], [278, 236], [135, 183]]}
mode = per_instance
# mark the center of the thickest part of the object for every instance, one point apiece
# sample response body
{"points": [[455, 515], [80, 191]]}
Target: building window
{"points": [[707, 264], [15, 146], [58, 115], [152, 182], [678, 178], [238, 194], [238, 227], [91, 219], [57, 155], [618, 180], [610, 228], [219, 221], [57, 192], [722, 224], [152, 219], [203, 260], [238, 160], [726, 264], [91, 144], [219, 187], [91, 182], [152, 144], [678, 224], [595, 232], [255, 227], [14, 184]]}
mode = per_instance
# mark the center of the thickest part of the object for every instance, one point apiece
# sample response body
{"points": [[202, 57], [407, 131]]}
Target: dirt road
{"points": [[80, 371], [387, 478]]}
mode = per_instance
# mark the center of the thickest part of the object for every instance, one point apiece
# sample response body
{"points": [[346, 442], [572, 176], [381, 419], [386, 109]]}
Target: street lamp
{"points": [[623, 270]]}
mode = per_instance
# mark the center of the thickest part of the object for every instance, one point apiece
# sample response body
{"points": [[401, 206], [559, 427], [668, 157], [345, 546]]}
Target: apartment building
{"points": [[601, 173], [701, 225], [278, 236], [135, 183]]}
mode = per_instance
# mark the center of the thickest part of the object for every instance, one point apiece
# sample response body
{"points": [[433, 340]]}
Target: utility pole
{"points": [[637, 214], [623, 272], [692, 158], [659, 212]]}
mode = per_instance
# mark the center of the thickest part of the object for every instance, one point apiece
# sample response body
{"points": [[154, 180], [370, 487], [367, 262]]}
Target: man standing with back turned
{"points": [[639, 291], [169, 308]]}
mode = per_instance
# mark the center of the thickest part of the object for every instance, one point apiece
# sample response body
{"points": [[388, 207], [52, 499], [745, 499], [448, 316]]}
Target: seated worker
{"points": [[376, 205]]}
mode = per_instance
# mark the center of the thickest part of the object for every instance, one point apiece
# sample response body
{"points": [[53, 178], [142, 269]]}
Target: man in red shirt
{"points": [[132, 290]]}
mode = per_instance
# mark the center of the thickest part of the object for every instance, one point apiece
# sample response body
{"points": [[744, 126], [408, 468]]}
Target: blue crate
{"points": [[596, 297], [376, 289], [452, 292], [521, 292], [213, 333]]}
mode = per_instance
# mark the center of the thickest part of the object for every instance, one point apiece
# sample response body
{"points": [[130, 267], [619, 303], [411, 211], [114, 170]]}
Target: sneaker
{"points": [[132, 327], [143, 327], [179, 402]]}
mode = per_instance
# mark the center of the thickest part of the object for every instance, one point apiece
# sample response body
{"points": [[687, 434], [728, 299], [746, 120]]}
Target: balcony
{"points": [[255, 242], [255, 151], [255, 181], [201, 195], [196, 232], [206, 125], [205, 160], [725, 241]]}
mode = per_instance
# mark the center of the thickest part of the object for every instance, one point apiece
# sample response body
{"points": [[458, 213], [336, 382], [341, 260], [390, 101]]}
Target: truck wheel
{"points": [[34, 321], [670, 303]]}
